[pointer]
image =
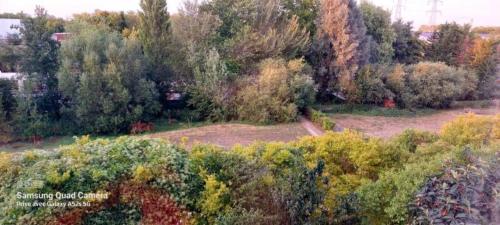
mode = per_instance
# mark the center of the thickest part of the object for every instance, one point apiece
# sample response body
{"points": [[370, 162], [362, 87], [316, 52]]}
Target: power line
{"points": [[399, 10], [434, 12]]}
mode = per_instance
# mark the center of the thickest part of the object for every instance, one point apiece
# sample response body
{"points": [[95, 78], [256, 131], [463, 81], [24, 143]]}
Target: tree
{"points": [[278, 93], [39, 61], [104, 82], [210, 93], [339, 46], [7, 108], [378, 27], [116, 21], [10, 53], [234, 14], [482, 59], [449, 43], [155, 35], [194, 32], [305, 10], [408, 49]]}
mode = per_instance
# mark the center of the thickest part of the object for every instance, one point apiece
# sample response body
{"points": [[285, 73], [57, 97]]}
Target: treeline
{"points": [[259, 61], [339, 178]]}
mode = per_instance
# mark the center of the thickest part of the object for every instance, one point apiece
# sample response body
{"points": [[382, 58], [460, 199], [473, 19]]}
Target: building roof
{"points": [[9, 75], [6, 27]]}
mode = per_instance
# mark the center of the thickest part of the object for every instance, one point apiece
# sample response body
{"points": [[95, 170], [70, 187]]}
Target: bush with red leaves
{"points": [[462, 195]]}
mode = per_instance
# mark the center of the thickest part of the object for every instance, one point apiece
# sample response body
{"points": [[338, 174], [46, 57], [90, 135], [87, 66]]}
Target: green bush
{"points": [[471, 130], [433, 85], [99, 166], [370, 87], [279, 92], [321, 119], [338, 178], [410, 139]]}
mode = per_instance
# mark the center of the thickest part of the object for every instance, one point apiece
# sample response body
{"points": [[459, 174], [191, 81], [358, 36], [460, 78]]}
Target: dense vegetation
{"points": [[338, 178], [260, 61]]}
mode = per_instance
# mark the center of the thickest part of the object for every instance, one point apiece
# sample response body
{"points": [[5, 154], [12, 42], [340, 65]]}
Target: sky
{"points": [[477, 12]]}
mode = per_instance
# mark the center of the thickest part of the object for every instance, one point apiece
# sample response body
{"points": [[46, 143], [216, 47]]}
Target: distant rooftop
{"points": [[6, 27]]}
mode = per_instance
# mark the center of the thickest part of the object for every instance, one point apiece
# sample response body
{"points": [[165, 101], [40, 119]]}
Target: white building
{"points": [[7, 27]]}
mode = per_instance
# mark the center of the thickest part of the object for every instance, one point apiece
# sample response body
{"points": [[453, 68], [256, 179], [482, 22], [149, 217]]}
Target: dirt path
{"points": [[227, 135], [310, 127], [386, 127]]}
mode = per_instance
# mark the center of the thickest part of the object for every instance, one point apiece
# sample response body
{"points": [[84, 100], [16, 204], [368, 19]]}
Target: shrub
{"points": [[435, 85], [279, 91], [210, 93], [371, 89], [323, 120], [269, 183], [99, 166], [350, 161], [471, 130], [462, 195], [386, 200], [410, 139]]}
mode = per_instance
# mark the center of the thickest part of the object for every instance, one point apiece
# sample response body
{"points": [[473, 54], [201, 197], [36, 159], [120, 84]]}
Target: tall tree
{"points": [[408, 49], [483, 58], [155, 35], [305, 10], [449, 43], [39, 61], [339, 44], [103, 81], [378, 26]]}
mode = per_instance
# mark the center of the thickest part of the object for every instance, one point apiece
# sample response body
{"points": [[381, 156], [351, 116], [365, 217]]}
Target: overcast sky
{"points": [[479, 12]]}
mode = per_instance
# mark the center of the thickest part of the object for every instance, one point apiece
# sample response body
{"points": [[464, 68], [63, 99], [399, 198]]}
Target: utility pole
{"points": [[399, 10], [434, 11]]}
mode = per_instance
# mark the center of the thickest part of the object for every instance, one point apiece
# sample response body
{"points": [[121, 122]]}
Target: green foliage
{"points": [[410, 139], [378, 26], [449, 43], [39, 61], [10, 53], [156, 38], [461, 195], [211, 94], [471, 130], [483, 60], [117, 215], [386, 200], [28, 121], [305, 10], [322, 119], [116, 21], [90, 167], [350, 161], [370, 86], [280, 90], [408, 49], [372, 110], [433, 85], [104, 82], [5, 128], [7, 98]]}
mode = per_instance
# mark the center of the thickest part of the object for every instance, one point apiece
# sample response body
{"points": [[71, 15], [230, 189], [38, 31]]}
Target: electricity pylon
{"points": [[434, 11], [399, 10]]}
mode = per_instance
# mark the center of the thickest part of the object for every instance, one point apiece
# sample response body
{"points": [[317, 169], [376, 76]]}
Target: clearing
{"points": [[227, 135], [387, 126]]}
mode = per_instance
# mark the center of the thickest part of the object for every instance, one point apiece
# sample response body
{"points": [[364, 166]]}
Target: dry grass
{"points": [[227, 135], [386, 127]]}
